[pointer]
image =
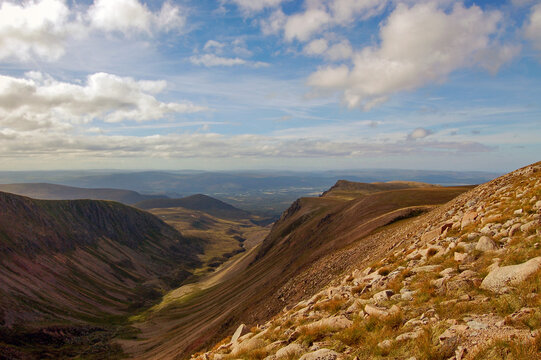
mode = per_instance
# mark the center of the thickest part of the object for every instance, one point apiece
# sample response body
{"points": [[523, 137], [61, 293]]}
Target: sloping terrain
{"points": [[306, 233], [197, 202], [46, 191], [460, 282], [82, 262]]}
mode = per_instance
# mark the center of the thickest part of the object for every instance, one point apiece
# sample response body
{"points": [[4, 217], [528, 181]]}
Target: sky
{"points": [[270, 84]]}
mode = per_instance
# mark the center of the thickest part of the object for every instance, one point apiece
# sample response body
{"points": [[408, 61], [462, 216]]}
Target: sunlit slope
{"points": [[311, 229]]}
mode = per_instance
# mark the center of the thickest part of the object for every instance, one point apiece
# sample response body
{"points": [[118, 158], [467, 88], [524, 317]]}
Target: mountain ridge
{"points": [[459, 282]]}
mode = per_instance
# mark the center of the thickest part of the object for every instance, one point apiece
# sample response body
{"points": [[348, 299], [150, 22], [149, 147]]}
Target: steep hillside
{"points": [[460, 282], [197, 202], [83, 262], [45, 191], [301, 239]]}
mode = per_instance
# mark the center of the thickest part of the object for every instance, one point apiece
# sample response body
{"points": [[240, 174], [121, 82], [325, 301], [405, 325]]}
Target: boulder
{"points": [[460, 257], [468, 218], [409, 335], [333, 323], [431, 235], [486, 244], [321, 354], [241, 330], [291, 350], [379, 312], [529, 226], [502, 277], [382, 296]]}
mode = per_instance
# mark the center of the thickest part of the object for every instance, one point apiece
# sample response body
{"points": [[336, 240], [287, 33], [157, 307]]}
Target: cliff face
{"points": [[460, 282], [83, 259]]}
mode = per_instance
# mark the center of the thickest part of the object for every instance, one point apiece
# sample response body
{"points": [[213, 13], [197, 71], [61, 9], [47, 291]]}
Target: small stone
{"points": [[385, 344], [321, 354]]}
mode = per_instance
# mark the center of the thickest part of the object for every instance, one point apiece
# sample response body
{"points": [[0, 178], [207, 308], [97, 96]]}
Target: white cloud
{"points": [[250, 6], [419, 45], [132, 16], [274, 24], [338, 51], [303, 26], [210, 60], [320, 15], [213, 44], [42, 28], [212, 145], [33, 28], [216, 54], [316, 47], [345, 11], [419, 133], [533, 28], [38, 101], [214, 60]]}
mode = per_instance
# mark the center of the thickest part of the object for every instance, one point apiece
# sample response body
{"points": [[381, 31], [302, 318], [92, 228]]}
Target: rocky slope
{"points": [[461, 282]]}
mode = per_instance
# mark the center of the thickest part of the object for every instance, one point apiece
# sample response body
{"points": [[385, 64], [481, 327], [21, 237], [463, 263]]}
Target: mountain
{"points": [[263, 192], [462, 281], [69, 266], [46, 191], [274, 273], [197, 202]]}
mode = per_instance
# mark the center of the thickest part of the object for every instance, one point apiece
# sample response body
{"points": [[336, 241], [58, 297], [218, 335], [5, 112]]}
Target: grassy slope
{"points": [[198, 202], [82, 262], [311, 228]]}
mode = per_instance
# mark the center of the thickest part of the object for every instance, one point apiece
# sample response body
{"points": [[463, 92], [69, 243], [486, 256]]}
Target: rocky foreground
{"points": [[466, 287]]}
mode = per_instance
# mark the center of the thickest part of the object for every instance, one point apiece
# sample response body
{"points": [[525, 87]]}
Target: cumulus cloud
{"points": [[33, 28], [533, 28], [132, 16], [420, 44], [42, 27], [319, 15], [338, 51], [37, 101]]}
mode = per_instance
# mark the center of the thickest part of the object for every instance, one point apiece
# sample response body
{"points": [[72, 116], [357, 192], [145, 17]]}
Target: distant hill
{"points": [[46, 191], [83, 260], [197, 202], [353, 189]]}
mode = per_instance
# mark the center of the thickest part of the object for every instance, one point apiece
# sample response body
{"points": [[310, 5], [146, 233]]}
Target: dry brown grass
{"points": [[331, 306], [510, 350]]}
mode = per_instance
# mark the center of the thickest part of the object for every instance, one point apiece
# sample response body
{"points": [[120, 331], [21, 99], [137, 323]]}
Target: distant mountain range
{"points": [[197, 202], [267, 193], [46, 191]]}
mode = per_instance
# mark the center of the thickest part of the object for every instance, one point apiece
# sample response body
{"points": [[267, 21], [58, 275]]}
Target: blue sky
{"points": [[263, 84]]}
